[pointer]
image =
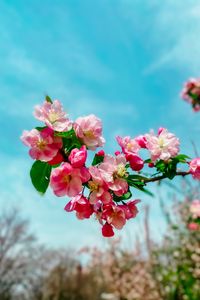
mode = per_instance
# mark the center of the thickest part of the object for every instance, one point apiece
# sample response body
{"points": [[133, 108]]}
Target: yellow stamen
{"points": [[93, 186], [53, 116], [41, 144]]}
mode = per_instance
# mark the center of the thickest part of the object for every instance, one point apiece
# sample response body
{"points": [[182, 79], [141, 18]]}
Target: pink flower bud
{"points": [[195, 168], [78, 157], [136, 163], [100, 153], [151, 165], [141, 140], [117, 153], [107, 230]]}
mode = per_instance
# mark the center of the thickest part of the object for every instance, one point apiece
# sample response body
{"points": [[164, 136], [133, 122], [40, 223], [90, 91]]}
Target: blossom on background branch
{"points": [[60, 149], [191, 93]]}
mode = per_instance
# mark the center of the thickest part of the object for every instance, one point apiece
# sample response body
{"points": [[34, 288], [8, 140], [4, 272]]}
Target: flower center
{"points": [[161, 142], [53, 116], [41, 144], [121, 170], [93, 186], [129, 146], [89, 134], [66, 178]]}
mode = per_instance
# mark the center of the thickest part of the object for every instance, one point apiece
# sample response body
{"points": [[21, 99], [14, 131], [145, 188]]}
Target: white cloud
{"points": [[175, 34]]}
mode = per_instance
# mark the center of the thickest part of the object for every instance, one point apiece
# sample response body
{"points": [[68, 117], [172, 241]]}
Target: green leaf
{"points": [[40, 128], [145, 191], [147, 161], [40, 175], [140, 187], [181, 158], [160, 166], [136, 177], [126, 196], [97, 159], [48, 99], [68, 134]]}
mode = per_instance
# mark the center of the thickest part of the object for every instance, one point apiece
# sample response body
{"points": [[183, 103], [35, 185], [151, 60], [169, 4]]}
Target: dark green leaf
{"points": [[160, 166], [48, 99], [40, 175], [126, 196], [147, 161], [136, 177], [68, 134], [140, 187], [181, 158], [40, 128], [97, 159]]}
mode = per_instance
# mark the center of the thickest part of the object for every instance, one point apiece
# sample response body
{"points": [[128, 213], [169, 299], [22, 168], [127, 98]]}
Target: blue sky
{"points": [[124, 60]]}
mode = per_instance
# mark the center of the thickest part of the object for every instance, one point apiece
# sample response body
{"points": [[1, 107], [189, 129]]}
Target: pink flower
{"points": [[195, 168], [53, 116], [67, 181], [195, 209], [78, 157], [107, 230], [191, 93], [98, 188], [128, 145], [162, 146], [44, 146], [89, 130], [114, 215], [81, 205], [136, 163], [113, 172], [193, 226], [130, 209]]}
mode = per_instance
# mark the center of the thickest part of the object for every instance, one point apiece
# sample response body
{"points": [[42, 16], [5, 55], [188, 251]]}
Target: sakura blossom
{"points": [[195, 168], [43, 145], [98, 187], [114, 215], [67, 181], [53, 116], [191, 93], [163, 146], [81, 205], [128, 145], [113, 171], [89, 130], [130, 209]]}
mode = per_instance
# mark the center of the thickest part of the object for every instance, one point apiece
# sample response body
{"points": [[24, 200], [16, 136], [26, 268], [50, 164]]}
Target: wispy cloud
{"points": [[175, 31]]}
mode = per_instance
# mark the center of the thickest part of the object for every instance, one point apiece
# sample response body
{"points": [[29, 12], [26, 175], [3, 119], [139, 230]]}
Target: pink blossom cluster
{"points": [[191, 93], [161, 146], [103, 189], [194, 223]]}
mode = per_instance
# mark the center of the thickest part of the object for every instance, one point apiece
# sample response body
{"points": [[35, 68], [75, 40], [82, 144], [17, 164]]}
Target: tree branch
{"points": [[158, 178]]}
